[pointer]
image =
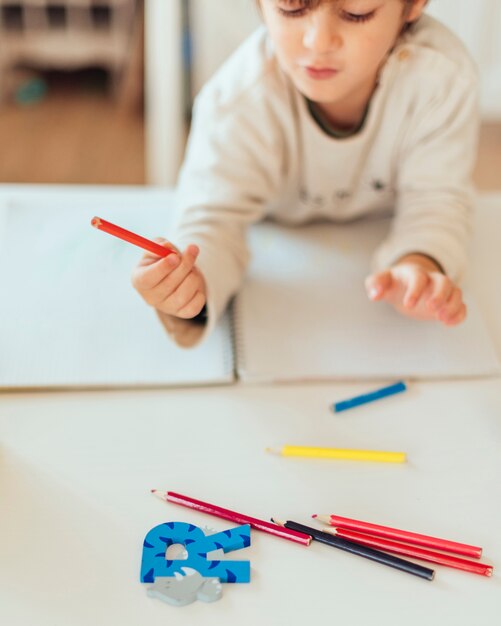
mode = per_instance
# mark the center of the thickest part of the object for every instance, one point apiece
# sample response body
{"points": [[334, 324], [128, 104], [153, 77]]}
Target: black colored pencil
{"points": [[360, 550]]}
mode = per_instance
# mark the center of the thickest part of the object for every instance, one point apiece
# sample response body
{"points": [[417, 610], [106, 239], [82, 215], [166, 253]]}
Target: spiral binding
{"points": [[237, 337]]}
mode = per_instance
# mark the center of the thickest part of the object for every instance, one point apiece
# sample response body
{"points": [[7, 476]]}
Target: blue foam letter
{"points": [[197, 545]]}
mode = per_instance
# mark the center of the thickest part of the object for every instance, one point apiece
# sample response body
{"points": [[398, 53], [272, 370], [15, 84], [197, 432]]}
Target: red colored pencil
{"points": [[419, 553], [233, 516], [127, 235], [403, 535]]}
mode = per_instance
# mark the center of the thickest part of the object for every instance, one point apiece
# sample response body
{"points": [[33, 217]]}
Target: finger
{"points": [[378, 284], [441, 291], [164, 242], [452, 306], [146, 278], [170, 273], [459, 317], [182, 295], [194, 306], [417, 283], [151, 257], [176, 278]]}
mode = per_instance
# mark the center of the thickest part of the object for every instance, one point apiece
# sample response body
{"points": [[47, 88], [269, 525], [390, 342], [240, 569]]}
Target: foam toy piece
{"points": [[182, 590], [197, 545]]}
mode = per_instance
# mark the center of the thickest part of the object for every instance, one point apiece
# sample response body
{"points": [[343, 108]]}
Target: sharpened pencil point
{"points": [[277, 522], [159, 494]]}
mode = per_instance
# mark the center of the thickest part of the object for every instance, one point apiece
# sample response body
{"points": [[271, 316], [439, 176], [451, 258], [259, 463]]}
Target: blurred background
{"points": [[100, 91]]}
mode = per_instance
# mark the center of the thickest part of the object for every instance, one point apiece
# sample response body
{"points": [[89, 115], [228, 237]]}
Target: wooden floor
{"points": [[488, 169], [78, 134]]}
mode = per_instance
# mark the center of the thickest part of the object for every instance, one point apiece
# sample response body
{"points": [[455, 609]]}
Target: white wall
{"points": [[165, 128], [217, 28], [478, 23]]}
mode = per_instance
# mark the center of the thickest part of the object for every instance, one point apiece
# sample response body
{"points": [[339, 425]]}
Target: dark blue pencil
{"points": [[356, 548], [369, 397]]}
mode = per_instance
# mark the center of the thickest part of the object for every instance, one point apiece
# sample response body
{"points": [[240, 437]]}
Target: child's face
{"points": [[332, 51]]}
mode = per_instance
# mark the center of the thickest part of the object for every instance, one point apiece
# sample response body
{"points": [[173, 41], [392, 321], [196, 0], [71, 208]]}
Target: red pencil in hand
{"points": [[127, 235]]}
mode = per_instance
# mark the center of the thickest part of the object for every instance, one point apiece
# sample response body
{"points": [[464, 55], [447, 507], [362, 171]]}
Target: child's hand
{"points": [[417, 288], [173, 285]]}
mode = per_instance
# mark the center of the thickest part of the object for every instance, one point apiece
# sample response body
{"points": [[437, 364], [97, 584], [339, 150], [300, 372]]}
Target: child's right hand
{"points": [[173, 284]]}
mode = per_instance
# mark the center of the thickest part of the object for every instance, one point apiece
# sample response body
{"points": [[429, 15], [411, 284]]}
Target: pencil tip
{"points": [[159, 494]]}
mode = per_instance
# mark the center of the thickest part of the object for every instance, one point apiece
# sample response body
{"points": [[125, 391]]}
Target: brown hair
{"points": [[315, 3]]}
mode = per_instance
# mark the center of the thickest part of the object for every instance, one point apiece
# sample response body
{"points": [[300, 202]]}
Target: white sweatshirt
{"points": [[255, 152]]}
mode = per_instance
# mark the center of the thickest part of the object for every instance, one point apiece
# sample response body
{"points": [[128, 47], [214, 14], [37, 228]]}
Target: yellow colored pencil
{"points": [[340, 453]]}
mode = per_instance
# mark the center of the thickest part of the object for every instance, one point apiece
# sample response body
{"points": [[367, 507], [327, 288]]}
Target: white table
{"points": [[76, 469]]}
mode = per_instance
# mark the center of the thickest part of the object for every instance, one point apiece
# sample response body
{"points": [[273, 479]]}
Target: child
{"points": [[336, 109]]}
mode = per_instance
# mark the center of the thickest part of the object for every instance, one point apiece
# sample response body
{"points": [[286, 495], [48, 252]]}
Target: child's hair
{"points": [[311, 4]]}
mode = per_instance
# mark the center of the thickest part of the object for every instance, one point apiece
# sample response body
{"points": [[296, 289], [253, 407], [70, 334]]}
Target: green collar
{"points": [[328, 128]]}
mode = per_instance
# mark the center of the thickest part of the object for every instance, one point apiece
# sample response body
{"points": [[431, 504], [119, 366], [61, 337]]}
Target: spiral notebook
{"points": [[70, 318], [305, 295]]}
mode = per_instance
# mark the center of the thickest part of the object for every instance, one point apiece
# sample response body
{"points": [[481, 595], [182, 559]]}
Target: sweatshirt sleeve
{"points": [[434, 166], [231, 169]]}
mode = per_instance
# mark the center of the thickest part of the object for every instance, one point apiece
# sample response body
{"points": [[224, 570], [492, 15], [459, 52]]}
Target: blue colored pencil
{"points": [[369, 397]]}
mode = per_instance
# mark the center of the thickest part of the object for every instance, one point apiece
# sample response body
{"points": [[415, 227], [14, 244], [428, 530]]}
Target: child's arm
{"points": [[417, 287], [232, 168], [419, 266]]}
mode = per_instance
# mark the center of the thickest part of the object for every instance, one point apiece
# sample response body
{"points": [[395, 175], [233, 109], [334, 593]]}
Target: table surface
{"points": [[76, 469]]}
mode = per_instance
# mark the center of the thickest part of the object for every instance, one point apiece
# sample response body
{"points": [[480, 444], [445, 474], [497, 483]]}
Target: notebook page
{"points": [[305, 296], [69, 315]]}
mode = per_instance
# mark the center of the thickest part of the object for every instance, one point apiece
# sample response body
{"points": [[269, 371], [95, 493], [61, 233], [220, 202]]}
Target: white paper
{"points": [[303, 314], [69, 315]]}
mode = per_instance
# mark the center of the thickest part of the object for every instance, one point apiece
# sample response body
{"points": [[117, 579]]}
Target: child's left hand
{"points": [[416, 287]]}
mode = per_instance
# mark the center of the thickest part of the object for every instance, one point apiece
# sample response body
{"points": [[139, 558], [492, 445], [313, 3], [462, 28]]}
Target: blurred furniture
{"points": [[67, 35]]}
